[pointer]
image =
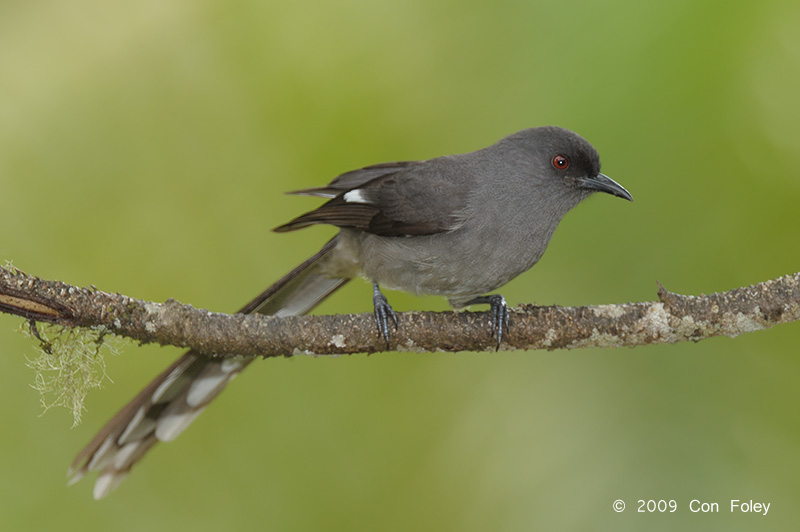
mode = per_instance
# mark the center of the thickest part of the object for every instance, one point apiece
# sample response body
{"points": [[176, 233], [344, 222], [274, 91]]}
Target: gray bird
{"points": [[457, 226]]}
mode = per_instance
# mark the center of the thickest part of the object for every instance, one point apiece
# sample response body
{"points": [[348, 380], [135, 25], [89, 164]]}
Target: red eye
{"points": [[560, 162]]}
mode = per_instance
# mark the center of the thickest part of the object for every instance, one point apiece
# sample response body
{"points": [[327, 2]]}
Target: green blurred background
{"points": [[145, 146]]}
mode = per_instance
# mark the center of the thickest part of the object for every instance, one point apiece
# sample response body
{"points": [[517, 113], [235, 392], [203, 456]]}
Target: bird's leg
{"points": [[383, 311], [499, 311]]}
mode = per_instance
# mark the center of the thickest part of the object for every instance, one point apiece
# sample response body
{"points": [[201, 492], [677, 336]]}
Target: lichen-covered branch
{"points": [[674, 318]]}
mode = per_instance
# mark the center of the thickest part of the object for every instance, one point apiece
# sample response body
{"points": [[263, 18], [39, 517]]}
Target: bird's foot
{"points": [[499, 311], [383, 311]]}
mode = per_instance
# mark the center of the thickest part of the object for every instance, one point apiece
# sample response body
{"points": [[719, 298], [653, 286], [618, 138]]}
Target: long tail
{"points": [[170, 403]]}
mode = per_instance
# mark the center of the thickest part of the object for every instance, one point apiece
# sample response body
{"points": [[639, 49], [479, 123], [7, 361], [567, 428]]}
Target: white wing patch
{"points": [[355, 196]]}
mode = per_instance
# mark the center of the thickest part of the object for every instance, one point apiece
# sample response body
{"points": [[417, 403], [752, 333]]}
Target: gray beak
{"points": [[603, 183]]}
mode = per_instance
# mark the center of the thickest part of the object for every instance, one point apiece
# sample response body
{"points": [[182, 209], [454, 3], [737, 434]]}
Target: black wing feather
{"points": [[355, 179], [396, 200]]}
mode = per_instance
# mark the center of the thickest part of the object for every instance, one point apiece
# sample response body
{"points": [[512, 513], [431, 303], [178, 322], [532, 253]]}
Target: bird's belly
{"points": [[450, 265]]}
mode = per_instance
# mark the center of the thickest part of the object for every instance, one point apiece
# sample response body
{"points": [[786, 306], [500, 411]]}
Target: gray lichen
{"points": [[69, 363]]}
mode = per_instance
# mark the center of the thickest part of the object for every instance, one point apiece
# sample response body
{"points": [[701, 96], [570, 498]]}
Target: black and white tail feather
{"points": [[170, 403]]}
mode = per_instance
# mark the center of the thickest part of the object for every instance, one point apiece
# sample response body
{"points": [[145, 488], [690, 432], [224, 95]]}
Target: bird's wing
{"points": [[355, 179], [394, 199]]}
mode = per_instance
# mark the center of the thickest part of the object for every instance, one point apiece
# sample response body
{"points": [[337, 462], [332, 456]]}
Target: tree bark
{"points": [[673, 318]]}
